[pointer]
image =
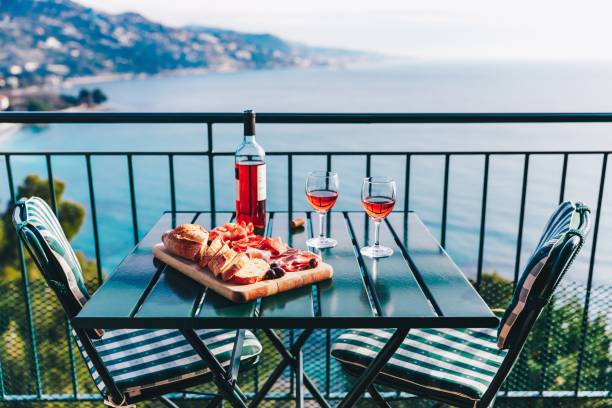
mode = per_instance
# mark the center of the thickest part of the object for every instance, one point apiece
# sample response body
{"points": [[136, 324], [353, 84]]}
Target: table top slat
{"points": [[343, 296], [450, 289], [396, 289], [174, 294], [297, 302], [120, 294], [215, 305]]}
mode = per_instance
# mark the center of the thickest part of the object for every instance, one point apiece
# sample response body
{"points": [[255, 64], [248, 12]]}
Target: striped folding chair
{"points": [[466, 367], [127, 366]]}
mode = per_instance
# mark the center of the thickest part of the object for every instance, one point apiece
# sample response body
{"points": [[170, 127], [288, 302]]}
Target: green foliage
{"points": [[71, 217], [550, 357], [98, 96], [37, 105], [84, 96]]}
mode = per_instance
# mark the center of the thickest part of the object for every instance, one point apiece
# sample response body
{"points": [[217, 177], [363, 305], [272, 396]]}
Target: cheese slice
{"points": [[211, 251]]}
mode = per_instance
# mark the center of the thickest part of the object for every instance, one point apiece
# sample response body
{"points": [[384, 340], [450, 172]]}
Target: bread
{"points": [[235, 265], [253, 272], [223, 257], [187, 241], [213, 247]]}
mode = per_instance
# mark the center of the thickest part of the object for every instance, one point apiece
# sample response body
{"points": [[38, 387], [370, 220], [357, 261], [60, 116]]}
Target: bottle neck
{"points": [[249, 139]]}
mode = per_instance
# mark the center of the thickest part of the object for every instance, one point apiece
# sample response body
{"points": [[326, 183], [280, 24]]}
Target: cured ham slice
{"points": [[294, 260]]}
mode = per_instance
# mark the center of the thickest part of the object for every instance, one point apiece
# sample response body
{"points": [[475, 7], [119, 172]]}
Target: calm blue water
{"points": [[390, 87]]}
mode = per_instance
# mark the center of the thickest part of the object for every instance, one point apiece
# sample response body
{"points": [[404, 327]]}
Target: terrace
{"points": [[565, 361]]}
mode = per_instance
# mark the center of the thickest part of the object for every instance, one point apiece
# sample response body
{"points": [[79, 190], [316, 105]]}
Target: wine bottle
{"points": [[250, 167]]}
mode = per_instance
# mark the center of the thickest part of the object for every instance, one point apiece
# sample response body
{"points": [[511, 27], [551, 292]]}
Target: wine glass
{"points": [[378, 198], [322, 193]]}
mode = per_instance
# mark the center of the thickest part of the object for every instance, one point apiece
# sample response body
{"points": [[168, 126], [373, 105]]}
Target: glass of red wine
{"points": [[322, 193], [378, 198]]}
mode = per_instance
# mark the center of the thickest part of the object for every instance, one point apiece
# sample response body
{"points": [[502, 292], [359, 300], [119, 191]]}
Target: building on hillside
{"points": [[4, 102]]}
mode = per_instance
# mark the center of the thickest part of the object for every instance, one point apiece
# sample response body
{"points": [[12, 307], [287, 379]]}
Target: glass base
{"points": [[376, 251], [320, 242]]}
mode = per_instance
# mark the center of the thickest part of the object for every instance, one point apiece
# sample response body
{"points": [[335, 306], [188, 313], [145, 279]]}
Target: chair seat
{"points": [[143, 359], [455, 361]]}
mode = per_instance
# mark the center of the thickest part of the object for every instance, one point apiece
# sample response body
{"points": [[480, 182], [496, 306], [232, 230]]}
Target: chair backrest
{"points": [[561, 241], [40, 231], [544, 269]]}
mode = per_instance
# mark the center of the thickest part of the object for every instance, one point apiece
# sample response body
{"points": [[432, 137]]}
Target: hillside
{"points": [[49, 40]]}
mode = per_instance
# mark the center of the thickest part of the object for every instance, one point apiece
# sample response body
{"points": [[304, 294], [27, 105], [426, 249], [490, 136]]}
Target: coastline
{"points": [[8, 129]]}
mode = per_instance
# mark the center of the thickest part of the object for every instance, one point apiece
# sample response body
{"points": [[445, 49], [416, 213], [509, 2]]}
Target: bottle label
{"points": [[261, 182]]}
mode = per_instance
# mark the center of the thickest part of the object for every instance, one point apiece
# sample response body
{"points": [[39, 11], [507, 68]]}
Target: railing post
{"points": [[26, 286], [445, 201], [50, 180], [211, 166], [407, 183], [130, 167], [563, 177], [483, 215], [290, 185], [587, 300], [94, 217], [172, 187], [519, 240], [53, 196]]}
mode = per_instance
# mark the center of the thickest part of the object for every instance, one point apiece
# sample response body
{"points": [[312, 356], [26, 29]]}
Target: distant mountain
{"points": [[49, 40]]}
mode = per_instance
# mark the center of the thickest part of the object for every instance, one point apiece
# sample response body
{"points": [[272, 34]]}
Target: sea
{"points": [[395, 85]]}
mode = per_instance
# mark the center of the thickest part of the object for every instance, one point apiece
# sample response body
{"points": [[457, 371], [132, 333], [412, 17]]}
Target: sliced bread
{"points": [[211, 251], [223, 257], [235, 265], [254, 271]]}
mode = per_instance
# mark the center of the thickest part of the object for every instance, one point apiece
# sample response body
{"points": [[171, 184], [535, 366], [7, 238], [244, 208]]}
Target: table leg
{"points": [[288, 359], [234, 367], [226, 385], [369, 375]]}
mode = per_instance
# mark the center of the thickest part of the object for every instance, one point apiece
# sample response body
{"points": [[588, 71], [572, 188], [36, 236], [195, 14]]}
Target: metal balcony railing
{"points": [[568, 356]]}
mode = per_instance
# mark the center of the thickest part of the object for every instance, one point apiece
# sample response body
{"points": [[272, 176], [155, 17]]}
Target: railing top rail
{"points": [[301, 118]]}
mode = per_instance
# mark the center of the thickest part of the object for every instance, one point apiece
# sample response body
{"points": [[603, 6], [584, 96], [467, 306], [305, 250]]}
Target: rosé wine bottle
{"points": [[250, 167]]}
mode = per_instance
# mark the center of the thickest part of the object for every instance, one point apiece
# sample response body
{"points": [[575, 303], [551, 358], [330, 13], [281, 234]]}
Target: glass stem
{"points": [[321, 225], [376, 233]]}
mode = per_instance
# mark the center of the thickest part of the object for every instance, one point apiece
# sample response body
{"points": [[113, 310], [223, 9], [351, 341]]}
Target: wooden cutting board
{"points": [[243, 293]]}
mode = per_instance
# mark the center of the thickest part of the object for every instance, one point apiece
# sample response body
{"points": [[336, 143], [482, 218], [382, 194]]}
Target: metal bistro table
{"points": [[418, 287]]}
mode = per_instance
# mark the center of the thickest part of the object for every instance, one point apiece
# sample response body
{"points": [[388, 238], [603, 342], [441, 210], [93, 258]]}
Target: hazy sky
{"points": [[466, 29]]}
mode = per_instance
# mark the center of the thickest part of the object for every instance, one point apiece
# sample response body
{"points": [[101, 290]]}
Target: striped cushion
{"points": [[454, 361], [539, 272], [141, 359], [41, 217], [47, 243]]}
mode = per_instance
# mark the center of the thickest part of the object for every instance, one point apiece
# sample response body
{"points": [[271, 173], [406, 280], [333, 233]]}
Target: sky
{"points": [[441, 29]]}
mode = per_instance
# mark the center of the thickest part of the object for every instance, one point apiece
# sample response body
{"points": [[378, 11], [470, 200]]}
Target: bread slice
{"points": [[223, 257], [211, 251], [253, 272], [235, 265], [186, 240], [203, 249]]}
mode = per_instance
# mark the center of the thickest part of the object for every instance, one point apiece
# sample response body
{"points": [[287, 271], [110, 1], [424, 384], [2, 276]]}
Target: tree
{"points": [[71, 217], [37, 105], [85, 96], [98, 96]]}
